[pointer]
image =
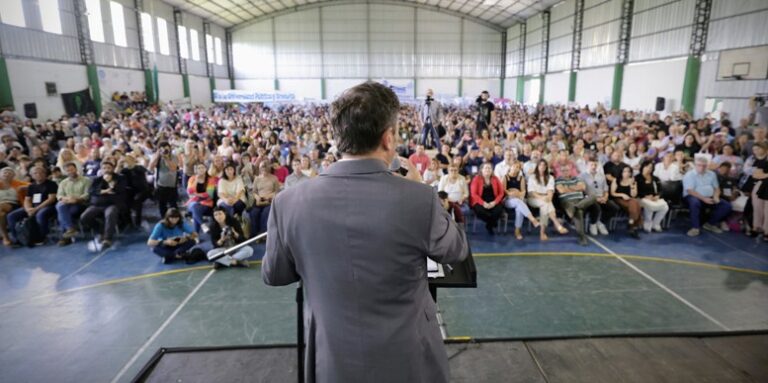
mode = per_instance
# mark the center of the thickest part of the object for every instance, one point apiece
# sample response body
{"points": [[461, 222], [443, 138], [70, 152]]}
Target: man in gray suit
{"points": [[358, 237], [431, 114]]}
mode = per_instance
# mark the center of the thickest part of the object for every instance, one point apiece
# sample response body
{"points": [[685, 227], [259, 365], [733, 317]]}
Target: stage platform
{"points": [[730, 358]]}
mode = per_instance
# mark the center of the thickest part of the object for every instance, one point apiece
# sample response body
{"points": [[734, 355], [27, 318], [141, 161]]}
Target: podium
{"points": [[457, 275]]}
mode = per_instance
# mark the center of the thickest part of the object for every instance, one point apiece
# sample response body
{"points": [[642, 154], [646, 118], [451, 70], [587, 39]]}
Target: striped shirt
{"points": [[569, 183]]}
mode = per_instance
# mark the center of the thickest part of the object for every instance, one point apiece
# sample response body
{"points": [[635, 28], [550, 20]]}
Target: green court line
{"points": [[478, 255]]}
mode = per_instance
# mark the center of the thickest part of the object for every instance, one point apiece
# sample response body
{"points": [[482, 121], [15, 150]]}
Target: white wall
{"points": [[119, 80], [170, 86], [595, 85], [28, 80], [302, 88], [510, 88], [531, 90], [253, 84], [556, 88], [200, 90], [643, 82], [223, 83], [335, 86], [471, 87], [440, 86]]}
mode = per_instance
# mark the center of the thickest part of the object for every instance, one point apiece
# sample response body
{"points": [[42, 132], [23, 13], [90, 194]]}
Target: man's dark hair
{"points": [[361, 114]]}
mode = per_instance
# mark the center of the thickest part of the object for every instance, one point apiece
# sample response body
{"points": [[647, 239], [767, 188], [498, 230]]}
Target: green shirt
{"points": [[74, 188]]}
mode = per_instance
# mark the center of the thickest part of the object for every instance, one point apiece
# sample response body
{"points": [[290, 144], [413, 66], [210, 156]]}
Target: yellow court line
{"points": [[114, 282], [636, 257]]}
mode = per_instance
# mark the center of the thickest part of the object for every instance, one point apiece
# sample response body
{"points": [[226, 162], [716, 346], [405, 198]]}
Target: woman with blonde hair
{"points": [[66, 156]]}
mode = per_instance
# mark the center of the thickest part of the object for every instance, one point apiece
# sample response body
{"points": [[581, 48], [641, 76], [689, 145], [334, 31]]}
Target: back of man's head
{"points": [[361, 115]]}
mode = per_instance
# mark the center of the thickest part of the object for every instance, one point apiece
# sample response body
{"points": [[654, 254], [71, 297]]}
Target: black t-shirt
{"points": [[514, 182], [644, 188], [485, 111], [488, 195], [614, 169], [40, 192]]}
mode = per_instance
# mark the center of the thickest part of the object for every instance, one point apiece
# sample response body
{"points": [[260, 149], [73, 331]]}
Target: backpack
{"points": [[27, 232]]}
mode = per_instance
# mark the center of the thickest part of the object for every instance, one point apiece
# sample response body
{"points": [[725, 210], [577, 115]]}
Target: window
{"points": [[209, 48], [219, 55], [162, 36], [13, 13], [95, 26], [49, 13], [118, 23], [194, 45], [147, 32], [183, 45]]}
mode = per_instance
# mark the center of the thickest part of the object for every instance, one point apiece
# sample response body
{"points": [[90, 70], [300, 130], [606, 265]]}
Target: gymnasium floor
{"points": [[69, 315]]}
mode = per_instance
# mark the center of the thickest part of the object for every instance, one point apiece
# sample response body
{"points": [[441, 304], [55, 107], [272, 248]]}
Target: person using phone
{"points": [[172, 237], [225, 233]]}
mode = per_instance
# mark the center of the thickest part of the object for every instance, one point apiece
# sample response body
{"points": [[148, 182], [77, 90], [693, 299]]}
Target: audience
{"points": [[584, 165]]}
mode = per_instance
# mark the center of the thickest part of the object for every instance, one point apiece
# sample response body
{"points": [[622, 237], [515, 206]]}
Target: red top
{"points": [[476, 190], [421, 162]]}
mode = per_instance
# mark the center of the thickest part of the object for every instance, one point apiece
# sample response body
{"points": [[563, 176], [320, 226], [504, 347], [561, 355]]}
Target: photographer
{"points": [[485, 111], [172, 237], [166, 167], [431, 115], [225, 233]]}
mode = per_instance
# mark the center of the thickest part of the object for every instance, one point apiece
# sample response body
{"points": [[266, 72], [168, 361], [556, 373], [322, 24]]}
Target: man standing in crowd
{"points": [[362, 258], [73, 196], [166, 165], [485, 111], [431, 116], [701, 190]]}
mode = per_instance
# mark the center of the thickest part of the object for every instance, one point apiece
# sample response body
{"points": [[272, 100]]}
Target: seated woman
{"points": [[514, 183], [265, 188], [655, 208], [624, 192], [201, 189], [486, 194], [541, 190], [225, 233], [172, 238], [231, 191], [455, 185]]}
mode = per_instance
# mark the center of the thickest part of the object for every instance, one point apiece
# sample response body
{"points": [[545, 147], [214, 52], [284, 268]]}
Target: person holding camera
{"points": [[172, 237], [485, 111], [166, 167], [431, 114], [225, 233]]}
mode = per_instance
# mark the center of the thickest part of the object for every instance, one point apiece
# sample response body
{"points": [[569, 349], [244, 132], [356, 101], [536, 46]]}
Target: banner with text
{"points": [[248, 96]]}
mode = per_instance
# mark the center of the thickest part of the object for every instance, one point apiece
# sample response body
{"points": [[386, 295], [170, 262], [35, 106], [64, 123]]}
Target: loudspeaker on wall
{"points": [[30, 110], [660, 103]]}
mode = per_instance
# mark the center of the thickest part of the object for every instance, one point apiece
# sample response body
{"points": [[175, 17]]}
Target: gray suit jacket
{"points": [[358, 237]]}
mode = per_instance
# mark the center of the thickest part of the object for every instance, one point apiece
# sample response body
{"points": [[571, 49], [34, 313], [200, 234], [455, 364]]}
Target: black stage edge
{"points": [[737, 356]]}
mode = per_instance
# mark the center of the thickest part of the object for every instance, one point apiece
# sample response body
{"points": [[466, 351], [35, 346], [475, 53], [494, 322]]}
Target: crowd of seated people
{"points": [[212, 173]]}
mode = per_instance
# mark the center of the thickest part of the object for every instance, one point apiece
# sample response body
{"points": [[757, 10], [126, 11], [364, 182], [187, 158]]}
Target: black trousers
{"points": [[167, 197], [489, 216]]}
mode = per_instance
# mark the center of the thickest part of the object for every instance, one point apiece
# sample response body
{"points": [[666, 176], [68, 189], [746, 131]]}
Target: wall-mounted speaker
{"points": [[50, 88], [660, 103], [30, 110]]}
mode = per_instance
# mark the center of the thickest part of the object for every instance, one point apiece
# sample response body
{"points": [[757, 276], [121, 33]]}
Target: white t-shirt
{"points": [[535, 186], [671, 173], [456, 190]]}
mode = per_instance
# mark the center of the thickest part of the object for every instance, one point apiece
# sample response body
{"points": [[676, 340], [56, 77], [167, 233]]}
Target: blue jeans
{"points": [[42, 217], [430, 129], [198, 212], [233, 210], [166, 251], [65, 213], [521, 210], [719, 213], [259, 215]]}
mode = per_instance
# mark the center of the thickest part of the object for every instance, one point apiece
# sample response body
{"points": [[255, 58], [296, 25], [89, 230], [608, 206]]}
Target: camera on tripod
{"points": [[428, 100]]}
